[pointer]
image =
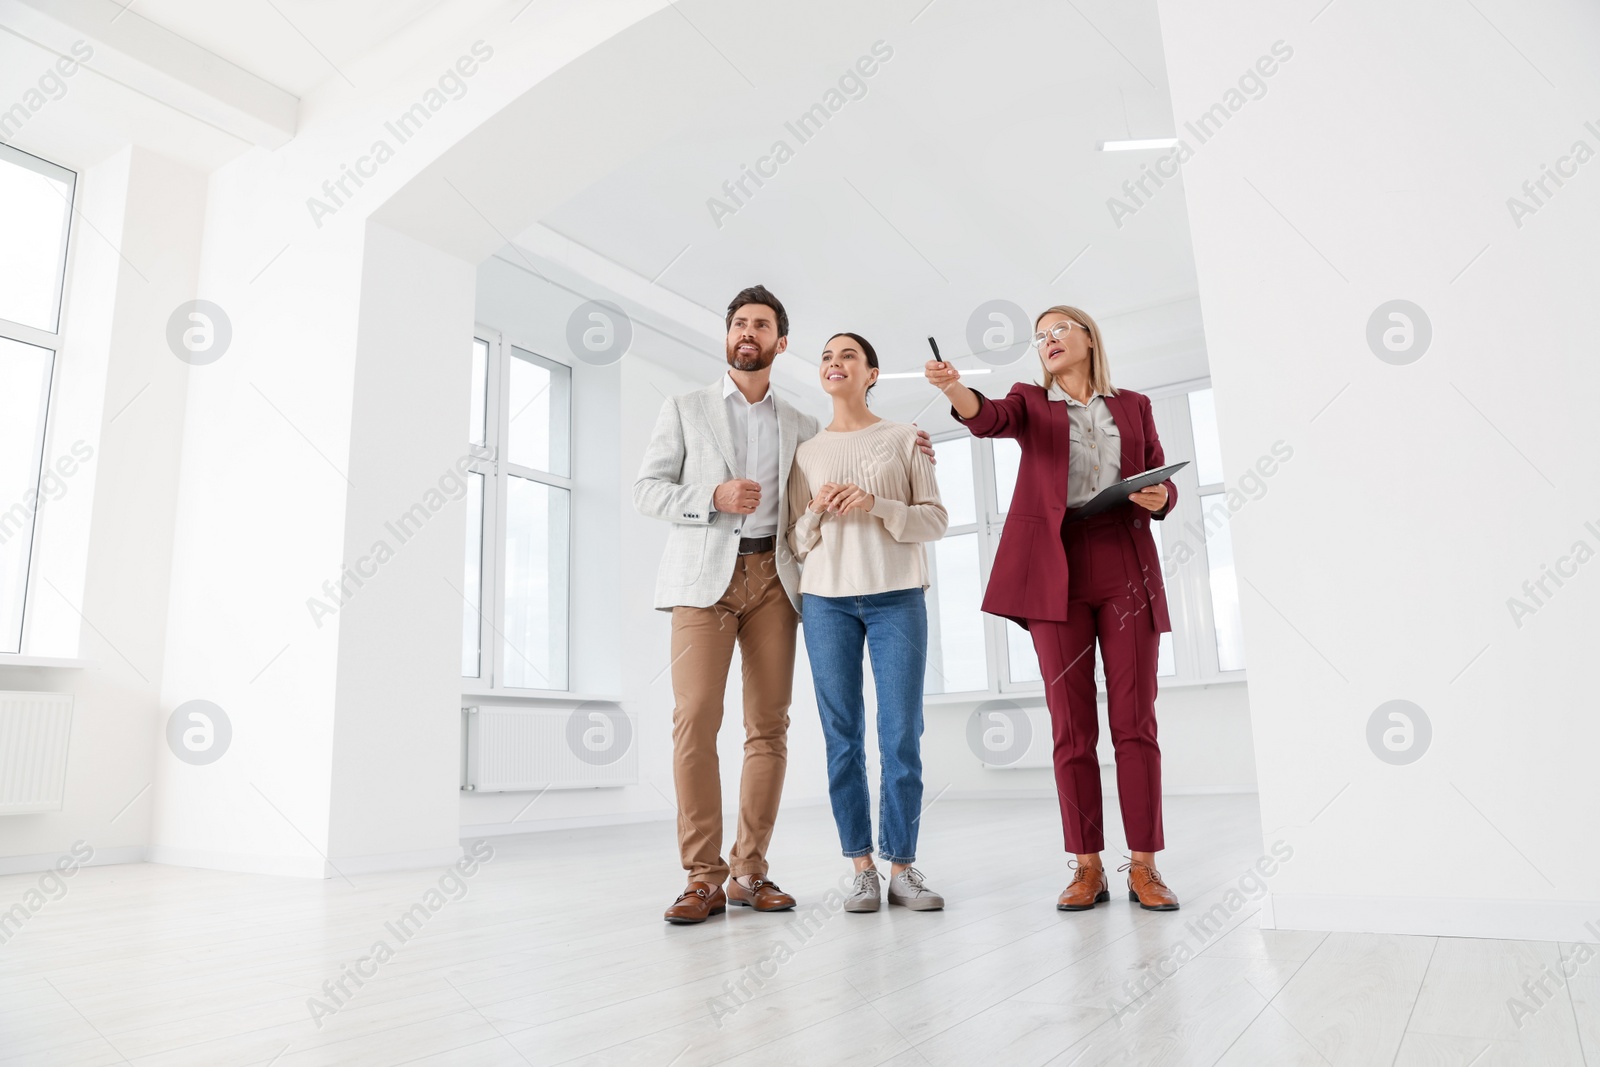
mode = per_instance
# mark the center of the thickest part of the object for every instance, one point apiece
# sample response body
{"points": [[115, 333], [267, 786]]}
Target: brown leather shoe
{"points": [[696, 903], [762, 895], [1145, 886], [1087, 888]]}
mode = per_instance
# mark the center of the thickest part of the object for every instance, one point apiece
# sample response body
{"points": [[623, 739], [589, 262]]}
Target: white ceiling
{"points": [[156, 79], [968, 172], [294, 44]]}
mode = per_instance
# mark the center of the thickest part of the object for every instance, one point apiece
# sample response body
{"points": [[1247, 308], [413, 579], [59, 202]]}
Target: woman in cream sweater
{"points": [[862, 502]]}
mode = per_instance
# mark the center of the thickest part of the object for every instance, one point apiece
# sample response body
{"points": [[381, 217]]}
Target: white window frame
{"points": [[988, 537], [1194, 636], [1194, 633], [488, 460], [54, 341]]}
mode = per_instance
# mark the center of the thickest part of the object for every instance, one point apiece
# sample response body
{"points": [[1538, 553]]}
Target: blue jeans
{"points": [[894, 628]]}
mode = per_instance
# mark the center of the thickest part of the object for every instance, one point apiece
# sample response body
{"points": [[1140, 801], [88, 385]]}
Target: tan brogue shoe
{"points": [[1145, 886], [699, 901], [762, 895], [1087, 888]]}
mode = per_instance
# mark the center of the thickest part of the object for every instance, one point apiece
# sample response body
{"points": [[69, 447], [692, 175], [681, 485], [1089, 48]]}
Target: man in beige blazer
{"points": [[717, 469]]}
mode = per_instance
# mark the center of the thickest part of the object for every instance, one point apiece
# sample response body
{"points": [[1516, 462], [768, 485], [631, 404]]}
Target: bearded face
{"points": [[753, 341], [748, 352]]}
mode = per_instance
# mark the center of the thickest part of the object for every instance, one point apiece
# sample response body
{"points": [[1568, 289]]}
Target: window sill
{"points": [[535, 696], [1036, 696], [62, 663]]}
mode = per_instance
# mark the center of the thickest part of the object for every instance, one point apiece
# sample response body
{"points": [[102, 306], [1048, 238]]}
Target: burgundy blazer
{"points": [[1029, 577]]}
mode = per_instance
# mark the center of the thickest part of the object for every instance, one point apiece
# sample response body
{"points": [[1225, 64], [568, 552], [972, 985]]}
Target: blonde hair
{"points": [[1099, 368]]}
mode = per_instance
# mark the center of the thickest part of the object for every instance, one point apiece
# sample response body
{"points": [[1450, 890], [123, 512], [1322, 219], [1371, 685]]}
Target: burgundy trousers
{"points": [[1106, 601]]}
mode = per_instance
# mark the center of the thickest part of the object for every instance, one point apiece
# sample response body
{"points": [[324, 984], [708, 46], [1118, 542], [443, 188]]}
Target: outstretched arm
{"points": [[984, 417]]}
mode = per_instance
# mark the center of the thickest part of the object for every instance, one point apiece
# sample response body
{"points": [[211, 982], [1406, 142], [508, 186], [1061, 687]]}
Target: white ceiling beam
{"points": [[153, 60], [643, 292], [795, 375]]}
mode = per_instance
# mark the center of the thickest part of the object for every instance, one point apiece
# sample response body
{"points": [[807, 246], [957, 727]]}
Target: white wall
{"points": [[394, 735], [106, 544], [1377, 166], [236, 489], [1205, 738], [274, 470], [261, 502], [1205, 729], [620, 643]]}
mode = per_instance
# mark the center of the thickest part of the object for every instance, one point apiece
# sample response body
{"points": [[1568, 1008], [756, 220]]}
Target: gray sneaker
{"points": [[909, 891], [864, 893]]}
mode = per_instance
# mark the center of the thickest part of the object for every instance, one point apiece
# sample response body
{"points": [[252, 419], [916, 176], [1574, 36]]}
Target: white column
{"points": [[1369, 158]]}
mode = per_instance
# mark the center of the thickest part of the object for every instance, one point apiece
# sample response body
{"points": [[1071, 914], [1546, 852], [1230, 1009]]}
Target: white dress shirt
{"points": [[755, 444], [1094, 459]]}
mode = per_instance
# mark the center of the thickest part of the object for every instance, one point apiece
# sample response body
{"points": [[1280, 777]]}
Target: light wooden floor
{"points": [[557, 954]]}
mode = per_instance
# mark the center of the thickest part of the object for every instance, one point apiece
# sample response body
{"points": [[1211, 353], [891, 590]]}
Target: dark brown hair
{"points": [[759, 294], [863, 344]]}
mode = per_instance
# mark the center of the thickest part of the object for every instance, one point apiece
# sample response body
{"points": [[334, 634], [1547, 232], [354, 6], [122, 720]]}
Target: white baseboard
{"points": [[1043, 792], [303, 866], [240, 862], [316, 867], [1037, 792], [46, 861], [577, 822], [730, 818], [1517, 920], [1208, 790], [243, 863], [416, 860]]}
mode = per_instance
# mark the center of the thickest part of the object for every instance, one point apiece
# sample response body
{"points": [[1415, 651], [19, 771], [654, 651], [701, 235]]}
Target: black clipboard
{"points": [[1118, 493]]}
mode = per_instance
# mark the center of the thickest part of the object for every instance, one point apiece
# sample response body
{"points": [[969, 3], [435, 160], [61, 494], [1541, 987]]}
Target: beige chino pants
{"points": [[756, 614]]}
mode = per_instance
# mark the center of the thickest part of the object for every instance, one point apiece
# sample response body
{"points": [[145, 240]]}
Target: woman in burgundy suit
{"points": [[1072, 583]]}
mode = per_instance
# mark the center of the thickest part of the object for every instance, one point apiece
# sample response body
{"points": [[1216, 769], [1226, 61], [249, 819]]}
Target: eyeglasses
{"points": [[1058, 332]]}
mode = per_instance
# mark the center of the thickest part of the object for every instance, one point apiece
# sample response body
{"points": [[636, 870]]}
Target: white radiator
{"points": [[511, 749], [1040, 750], [34, 728]]}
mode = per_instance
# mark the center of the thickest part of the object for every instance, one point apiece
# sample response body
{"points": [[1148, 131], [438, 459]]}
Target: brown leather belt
{"points": [[751, 545]]}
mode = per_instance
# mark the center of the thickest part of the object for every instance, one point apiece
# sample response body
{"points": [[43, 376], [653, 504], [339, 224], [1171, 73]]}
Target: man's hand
{"points": [[1152, 498], [740, 496], [925, 443]]}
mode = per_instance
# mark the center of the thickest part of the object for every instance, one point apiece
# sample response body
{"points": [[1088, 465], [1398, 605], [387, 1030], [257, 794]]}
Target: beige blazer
{"points": [[690, 453]]}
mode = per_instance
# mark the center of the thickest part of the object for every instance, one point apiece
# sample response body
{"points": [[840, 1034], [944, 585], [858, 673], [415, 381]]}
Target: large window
{"points": [[956, 659], [35, 217], [519, 519], [974, 653]]}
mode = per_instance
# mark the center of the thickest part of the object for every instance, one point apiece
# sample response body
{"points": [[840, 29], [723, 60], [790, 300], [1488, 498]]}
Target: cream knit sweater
{"points": [[865, 552]]}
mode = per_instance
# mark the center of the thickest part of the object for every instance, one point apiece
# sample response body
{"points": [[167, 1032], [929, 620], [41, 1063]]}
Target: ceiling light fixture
{"points": [[918, 374], [1132, 146]]}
